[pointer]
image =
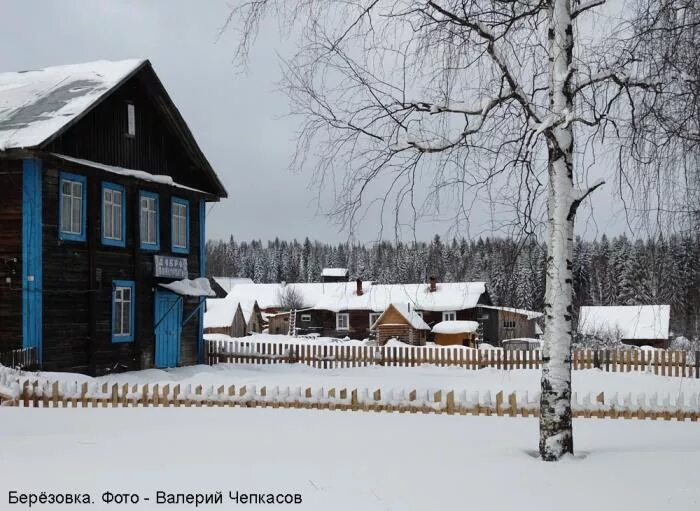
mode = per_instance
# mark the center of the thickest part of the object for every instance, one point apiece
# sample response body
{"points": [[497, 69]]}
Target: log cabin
{"points": [[402, 323], [103, 192]]}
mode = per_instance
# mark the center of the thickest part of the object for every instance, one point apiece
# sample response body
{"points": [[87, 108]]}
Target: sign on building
{"points": [[170, 267]]}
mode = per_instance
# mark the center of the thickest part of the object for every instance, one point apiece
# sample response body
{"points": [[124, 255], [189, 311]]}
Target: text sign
{"points": [[170, 267]]}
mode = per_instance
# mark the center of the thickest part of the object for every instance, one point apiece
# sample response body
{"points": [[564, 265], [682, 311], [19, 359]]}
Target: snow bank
{"points": [[187, 287]]}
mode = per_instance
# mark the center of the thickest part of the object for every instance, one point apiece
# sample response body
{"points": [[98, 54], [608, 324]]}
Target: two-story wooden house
{"points": [[103, 192]]}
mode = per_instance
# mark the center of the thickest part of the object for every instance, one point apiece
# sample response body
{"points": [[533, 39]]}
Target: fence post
{"points": [[697, 364]]}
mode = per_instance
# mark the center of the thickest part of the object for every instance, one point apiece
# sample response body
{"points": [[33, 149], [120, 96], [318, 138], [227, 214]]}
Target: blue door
{"points": [[168, 325]]}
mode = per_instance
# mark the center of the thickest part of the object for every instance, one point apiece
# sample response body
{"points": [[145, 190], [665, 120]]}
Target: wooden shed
{"points": [[461, 333], [224, 317], [400, 322]]}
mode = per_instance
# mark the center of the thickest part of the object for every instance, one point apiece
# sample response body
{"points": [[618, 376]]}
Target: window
{"points": [[71, 205], [373, 317], [449, 316], [113, 215], [131, 119], [306, 318], [149, 228], [180, 225], [123, 310], [509, 324], [342, 321]]}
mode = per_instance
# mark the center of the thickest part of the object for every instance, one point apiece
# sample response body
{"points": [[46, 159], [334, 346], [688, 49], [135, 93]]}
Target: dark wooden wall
{"points": [[78, 280], [323, 323], [10, 254], [101, 136]]}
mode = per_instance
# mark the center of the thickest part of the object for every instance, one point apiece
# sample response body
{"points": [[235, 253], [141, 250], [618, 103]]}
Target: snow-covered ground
{"points": [[425, 377], [346, 461]]}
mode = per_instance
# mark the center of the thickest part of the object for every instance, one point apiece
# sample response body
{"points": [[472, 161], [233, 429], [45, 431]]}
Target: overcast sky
{"points": [[238, 119]]}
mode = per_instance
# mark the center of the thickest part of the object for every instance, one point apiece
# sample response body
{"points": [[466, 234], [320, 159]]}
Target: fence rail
{"points": [[36, 394], [332, 356], [24, 358]]}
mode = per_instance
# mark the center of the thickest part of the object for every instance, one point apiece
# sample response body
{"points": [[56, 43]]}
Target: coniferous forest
{"points": [[608, 271]]}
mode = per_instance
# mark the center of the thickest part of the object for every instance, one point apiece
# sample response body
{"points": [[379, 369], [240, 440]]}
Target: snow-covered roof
{"points": [[227, 283], [35, 105], [626, 321], [187, 287], [220, 312], [522, 312], [340, 296], [334, 272], [414, 319], [122, 171], [455, 327]]}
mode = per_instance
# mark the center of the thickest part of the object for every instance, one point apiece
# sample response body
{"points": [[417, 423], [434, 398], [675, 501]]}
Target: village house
{"points": [[350, 309], [636, 325], [222, 285], [103, 192]]}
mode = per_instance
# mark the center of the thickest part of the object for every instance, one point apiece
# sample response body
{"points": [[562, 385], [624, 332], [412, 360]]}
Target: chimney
{"points": [[359, 287], [433, 285]]}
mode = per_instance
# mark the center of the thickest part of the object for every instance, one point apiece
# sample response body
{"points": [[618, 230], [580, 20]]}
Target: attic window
{"points": [[131, 119]]}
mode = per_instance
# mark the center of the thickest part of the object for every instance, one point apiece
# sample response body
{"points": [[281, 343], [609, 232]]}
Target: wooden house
{"points": [[221, 318], [335, 275], [399, 322], [503, 323], [459, 333], [636, 325], [103, 192]]}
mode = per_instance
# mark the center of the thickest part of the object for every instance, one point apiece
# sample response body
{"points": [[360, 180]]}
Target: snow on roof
{"points": [[227, 283], [220, 312], [187, 287], [339, 296], [455, 327], [334, 272], [629, 321], [523, 312], [138, 174], [34, 105], [409, 314]]}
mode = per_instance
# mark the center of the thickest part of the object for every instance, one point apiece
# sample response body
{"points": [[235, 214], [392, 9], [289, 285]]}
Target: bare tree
{"points": [[442, 100], [291, 297]]}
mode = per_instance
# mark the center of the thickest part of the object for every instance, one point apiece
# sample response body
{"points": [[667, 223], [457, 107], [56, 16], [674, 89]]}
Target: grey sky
{"points": [[238, 119]]}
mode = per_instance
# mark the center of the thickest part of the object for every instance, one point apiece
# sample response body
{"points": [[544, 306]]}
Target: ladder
{"points": [[292, 323]]}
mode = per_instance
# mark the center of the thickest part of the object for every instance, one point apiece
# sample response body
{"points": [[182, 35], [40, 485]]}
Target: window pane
{"points": [[108, 220], [117, 197], [118, 318], [76, 215], [65, 214], [117, 216], [66, 188]]}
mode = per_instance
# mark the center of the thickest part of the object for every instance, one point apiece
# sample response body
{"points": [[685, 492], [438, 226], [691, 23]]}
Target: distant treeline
{"points": [[616, 271]]}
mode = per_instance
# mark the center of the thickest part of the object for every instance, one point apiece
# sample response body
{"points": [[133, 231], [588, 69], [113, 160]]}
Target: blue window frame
{"points": [[149, 221], [113, 215], [123, 297], [180, 225], [72, 206]]}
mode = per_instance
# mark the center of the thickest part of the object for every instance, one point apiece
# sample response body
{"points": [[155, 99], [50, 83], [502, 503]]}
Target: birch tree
{"points": [[444, 100]]}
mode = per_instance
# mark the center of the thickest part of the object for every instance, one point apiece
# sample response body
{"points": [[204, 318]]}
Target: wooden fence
{"points": [[331, 356], [36, 394], [24, 358]]}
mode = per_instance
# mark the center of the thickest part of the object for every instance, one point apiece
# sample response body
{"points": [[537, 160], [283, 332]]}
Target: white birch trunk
{"points": [[556, 438]]}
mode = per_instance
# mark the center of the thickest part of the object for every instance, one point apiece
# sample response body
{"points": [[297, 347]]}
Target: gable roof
{"points": [[410, 315], [627, 321], [39, 105], [227, 283]]}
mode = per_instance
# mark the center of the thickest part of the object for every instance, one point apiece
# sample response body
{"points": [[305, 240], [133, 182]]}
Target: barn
{"points": [[402, 323], [103, 193]]}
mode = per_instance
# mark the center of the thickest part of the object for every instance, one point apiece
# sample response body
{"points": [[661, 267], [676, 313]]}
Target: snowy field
{"points": [[346, 461], [425, 377]]}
